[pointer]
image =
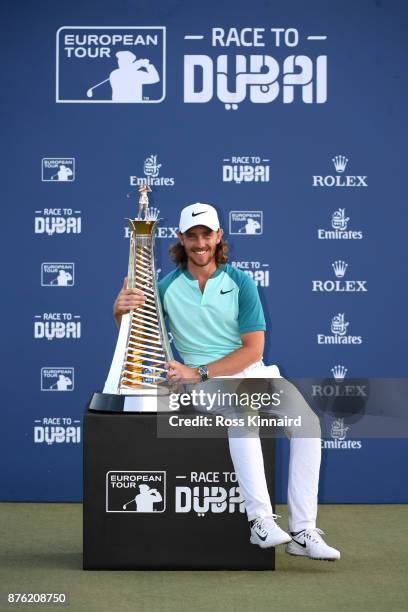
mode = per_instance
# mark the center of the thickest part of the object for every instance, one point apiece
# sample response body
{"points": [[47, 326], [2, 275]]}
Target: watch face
{"points": [[203, 371]]}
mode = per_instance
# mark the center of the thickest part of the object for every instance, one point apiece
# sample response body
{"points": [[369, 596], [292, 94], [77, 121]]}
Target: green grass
{"points": [[41, 552]]}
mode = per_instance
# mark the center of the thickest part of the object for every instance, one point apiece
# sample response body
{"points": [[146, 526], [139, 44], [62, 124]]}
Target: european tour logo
{"points": [[111, 64], [135, 491]]}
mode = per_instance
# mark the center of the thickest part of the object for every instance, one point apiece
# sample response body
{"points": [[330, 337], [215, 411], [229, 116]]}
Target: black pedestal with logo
{"points": [[164, 503]]}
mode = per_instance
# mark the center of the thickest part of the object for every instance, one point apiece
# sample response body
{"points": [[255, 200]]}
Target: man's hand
{"points": [[178, 371], [127, 300]]}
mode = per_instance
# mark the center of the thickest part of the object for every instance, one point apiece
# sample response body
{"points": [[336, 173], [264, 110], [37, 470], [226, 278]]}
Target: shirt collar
{"points": [[218, 271]]}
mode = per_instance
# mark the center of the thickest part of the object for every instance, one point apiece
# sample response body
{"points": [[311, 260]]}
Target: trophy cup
{"points": [[142, 348]]}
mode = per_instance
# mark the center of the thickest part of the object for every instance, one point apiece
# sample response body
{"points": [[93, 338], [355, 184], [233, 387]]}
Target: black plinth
{"points": [[171, 522]]}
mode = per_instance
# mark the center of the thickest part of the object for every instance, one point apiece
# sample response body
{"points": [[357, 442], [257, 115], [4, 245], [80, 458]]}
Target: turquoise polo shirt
{"points": [[206, 326]]}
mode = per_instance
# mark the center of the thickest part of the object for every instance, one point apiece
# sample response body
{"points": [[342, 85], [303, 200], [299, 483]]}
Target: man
{"points": [[128, 79], [62, 383], [218, 326], [145, 499], [64, 173], [63, 279]]}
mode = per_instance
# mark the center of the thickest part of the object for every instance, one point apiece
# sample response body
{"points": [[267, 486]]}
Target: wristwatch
{"points": [[203, 372]]}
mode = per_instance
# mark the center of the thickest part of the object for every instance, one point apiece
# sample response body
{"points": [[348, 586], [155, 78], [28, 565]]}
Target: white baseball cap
{"points": [[198, 214]]}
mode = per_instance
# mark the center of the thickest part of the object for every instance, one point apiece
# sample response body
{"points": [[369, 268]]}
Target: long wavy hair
{"points": [[179, 256]]}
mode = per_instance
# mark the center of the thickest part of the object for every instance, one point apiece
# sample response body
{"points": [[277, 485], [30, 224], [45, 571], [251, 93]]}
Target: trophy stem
{"points": [[145, 357]]}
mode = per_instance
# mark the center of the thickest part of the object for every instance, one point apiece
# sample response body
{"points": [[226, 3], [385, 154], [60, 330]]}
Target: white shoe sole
{"points": [[298, 551], [283, 540]]}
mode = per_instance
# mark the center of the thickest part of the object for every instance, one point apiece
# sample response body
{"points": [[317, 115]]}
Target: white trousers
{"points": [[304, 461]]}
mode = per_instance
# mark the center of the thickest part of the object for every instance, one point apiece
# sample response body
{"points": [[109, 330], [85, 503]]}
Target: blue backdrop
{"points": [[289, 116]]}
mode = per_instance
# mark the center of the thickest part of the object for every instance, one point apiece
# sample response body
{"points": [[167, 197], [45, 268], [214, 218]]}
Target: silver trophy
{"points": [[142, 348]]}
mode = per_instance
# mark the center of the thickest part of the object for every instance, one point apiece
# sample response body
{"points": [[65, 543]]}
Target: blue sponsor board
{"points": [[329, 156]]}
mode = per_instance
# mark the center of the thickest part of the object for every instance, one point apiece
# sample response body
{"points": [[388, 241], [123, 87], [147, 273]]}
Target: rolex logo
{"points": [[339, 372], [152, 214], [340, 179], [339, 268], [340, 163]]}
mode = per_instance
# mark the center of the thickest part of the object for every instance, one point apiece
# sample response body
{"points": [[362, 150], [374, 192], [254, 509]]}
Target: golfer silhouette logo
{"points": [[128, 79], [64, 174], [62, 383], [252, 226], [64, 279], [145, 500]]}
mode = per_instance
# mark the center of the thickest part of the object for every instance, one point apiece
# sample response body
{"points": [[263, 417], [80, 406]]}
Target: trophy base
{"points": [[108, 402]]}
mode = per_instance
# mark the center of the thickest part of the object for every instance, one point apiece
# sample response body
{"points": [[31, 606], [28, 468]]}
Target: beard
{"points": [[201, 260]]}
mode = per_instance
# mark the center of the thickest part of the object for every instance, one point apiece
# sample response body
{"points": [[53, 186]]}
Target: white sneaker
{"points": [[309, 543], [266, 533]]}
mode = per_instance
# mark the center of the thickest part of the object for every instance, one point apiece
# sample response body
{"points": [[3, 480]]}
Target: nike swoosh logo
{"points": [[263, 538], [224, 292], [199, 213], [300, 544]]}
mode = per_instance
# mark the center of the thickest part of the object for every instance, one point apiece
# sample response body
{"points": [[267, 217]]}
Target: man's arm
{"points": [[151, 75], [126, 300], [250, 352]]}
